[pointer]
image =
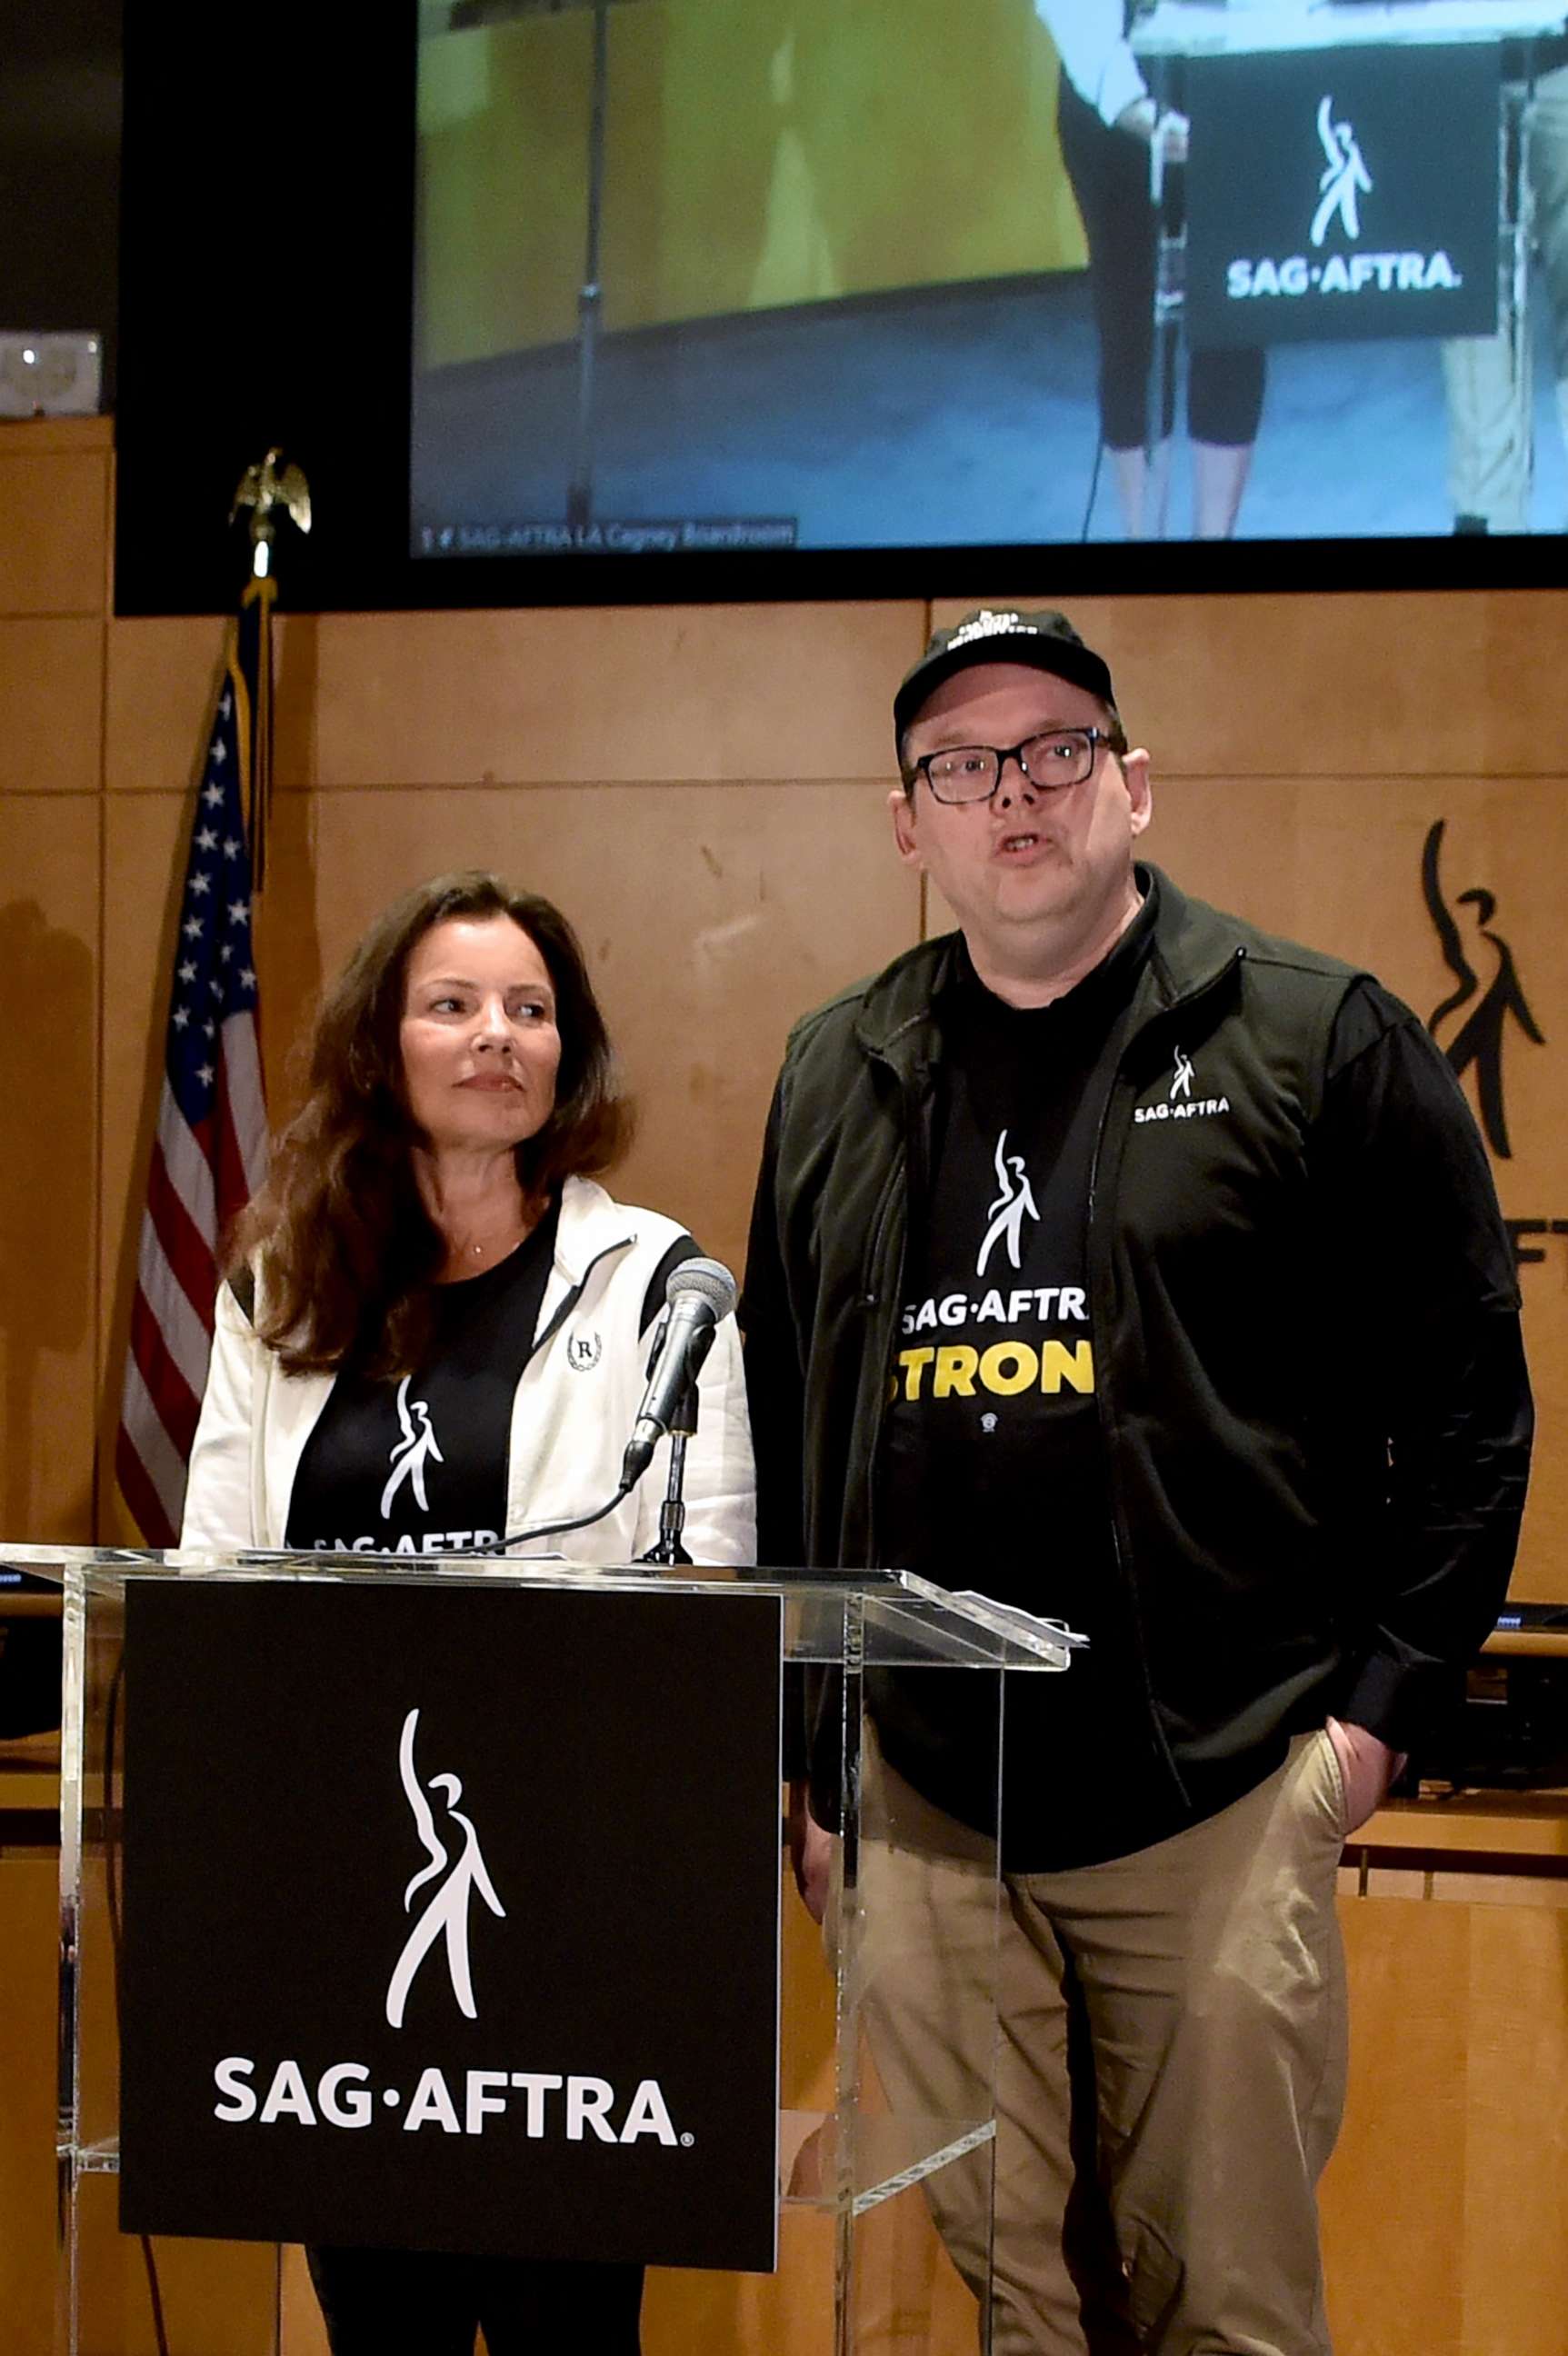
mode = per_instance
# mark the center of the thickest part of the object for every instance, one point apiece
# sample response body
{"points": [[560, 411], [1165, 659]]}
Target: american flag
{"points": [[210, 1152]]}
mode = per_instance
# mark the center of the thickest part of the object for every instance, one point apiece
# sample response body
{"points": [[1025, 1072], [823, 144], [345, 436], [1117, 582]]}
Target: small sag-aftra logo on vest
{"points": [[1478, 1039], [1179, 1103]]}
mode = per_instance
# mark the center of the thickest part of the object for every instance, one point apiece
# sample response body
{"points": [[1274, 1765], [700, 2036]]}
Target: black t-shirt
{"points": [[419, 1465], [992, 1475]]}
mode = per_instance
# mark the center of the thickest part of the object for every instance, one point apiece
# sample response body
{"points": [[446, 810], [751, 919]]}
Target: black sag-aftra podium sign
{"points": [[1346, 193], [451, 1919]]}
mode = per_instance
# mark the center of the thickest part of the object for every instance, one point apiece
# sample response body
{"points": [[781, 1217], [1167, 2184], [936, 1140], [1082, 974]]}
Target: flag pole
{"points": [[210, 1150], [266, 492]]}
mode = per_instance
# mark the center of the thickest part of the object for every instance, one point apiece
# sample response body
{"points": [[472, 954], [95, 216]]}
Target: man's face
{"points": [[1034, 874]]}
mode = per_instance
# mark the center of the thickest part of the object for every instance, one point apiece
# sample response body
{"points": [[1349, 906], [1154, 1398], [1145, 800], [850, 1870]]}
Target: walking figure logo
{"points": [[1479, 1038], [446, 1911], [413, 1451], [1182, 1084], [1344, 180], [1012, 1205]]}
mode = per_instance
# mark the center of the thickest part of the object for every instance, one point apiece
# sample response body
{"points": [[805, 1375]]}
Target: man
{"points": [[1125, 1264]]}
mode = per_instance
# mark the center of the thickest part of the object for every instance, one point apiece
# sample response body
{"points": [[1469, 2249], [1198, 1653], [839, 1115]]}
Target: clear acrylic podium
{"points": [[869, 2147]]}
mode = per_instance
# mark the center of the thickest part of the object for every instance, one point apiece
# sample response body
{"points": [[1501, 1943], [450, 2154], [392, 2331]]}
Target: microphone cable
{"points": [[539, 1530]]}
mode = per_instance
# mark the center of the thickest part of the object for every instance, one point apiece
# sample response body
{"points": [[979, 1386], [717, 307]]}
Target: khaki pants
{"points": [[1171, 2070], [1490, 427]]}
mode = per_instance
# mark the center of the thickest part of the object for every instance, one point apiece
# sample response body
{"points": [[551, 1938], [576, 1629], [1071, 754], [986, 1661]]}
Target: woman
{"points": [[1107, 121], [435, 1331]]}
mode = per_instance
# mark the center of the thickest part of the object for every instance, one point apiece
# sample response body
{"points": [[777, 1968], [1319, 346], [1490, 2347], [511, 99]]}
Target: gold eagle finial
{"points": [[264, 489]]}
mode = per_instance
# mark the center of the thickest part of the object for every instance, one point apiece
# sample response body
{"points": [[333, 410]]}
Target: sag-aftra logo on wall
{"points": [[1485, 1024], [467, 1922], [1477, 1020]]}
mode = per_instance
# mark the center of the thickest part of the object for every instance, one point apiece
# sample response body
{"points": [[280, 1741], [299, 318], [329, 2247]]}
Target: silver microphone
{"points": [[699, 1293]]}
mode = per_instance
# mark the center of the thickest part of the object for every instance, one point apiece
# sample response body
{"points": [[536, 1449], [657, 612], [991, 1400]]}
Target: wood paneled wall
{"points": [[54, 588]]}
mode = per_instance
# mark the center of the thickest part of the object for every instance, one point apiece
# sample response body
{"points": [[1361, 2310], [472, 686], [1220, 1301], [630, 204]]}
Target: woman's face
{"points": [[481, 1050]]}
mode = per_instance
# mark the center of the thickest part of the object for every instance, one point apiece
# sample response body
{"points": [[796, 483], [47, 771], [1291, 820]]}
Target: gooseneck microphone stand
{"points": [[667, 1546]]}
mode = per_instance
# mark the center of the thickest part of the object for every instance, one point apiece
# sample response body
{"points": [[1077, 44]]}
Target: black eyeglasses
{"points": [[1056, 758]]}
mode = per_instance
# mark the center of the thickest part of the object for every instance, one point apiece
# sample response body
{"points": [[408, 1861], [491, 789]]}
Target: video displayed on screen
{"points": [[756, 275]]}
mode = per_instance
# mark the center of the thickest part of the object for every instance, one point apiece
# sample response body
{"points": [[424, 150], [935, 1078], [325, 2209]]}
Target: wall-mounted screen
{"points": [[578, 300], [954, 274]]}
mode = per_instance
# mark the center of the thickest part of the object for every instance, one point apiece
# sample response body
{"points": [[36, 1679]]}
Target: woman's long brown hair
{"points": [[346, 1251]]}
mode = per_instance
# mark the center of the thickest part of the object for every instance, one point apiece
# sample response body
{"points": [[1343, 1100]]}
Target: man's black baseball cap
{"points": [[1044, 639]]}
